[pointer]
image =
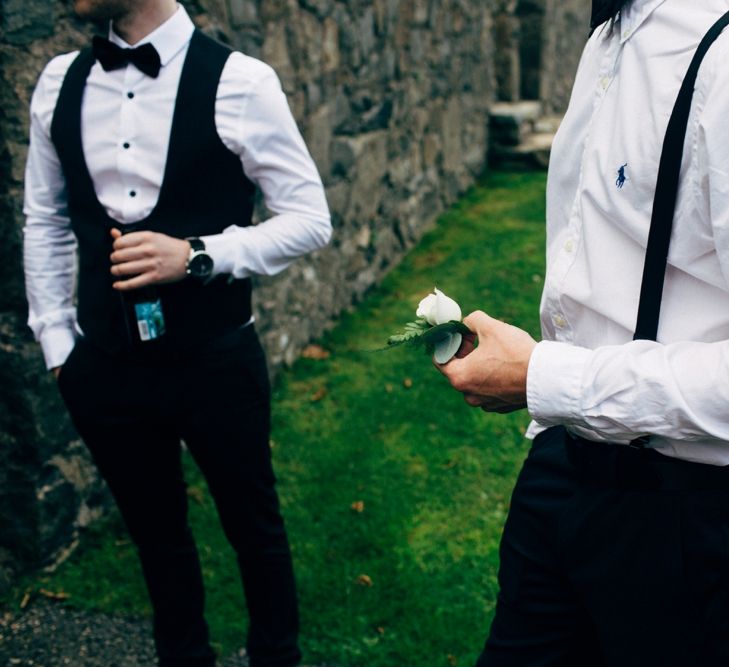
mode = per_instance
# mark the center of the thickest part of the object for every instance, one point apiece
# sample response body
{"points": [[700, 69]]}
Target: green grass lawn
{"points": [[407, 577]]}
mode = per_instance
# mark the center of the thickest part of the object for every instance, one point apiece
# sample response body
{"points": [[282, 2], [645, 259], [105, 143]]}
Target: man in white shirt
{"points": [[144, 156], [615, 549]]}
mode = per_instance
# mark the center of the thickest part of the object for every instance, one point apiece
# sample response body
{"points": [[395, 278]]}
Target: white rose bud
{"points": [[426, 307], [438, 308]]}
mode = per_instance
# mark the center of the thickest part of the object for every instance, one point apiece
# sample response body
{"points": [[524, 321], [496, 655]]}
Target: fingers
{"points": [[478, 322], [473, 400], [134, 283], [458, 373], [130, 247], [468, 345], [133, 253], [131, 239], [146, 258], [136, 268], [135, 259]]}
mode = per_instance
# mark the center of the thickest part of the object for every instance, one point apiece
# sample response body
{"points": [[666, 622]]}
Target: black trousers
{"points": [[607, 568], [132, 415]]}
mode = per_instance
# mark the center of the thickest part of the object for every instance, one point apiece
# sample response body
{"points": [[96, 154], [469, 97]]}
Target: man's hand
{"points": [[493, 374], [147, 258], [56, 371]]}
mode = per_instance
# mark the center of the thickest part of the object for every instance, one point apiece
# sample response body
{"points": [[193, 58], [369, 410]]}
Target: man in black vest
{"points": [[145, 151], [615, 552]]}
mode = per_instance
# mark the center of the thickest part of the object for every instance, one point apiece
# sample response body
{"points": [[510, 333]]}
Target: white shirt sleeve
{"points": [[678, 391], [254, 121], [49, 243]]}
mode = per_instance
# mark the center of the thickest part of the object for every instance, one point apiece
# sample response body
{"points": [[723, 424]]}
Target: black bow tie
{"points": [[145, 58]]}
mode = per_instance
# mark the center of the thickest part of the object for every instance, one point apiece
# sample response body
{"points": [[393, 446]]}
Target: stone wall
{"points": [[392, 97]]}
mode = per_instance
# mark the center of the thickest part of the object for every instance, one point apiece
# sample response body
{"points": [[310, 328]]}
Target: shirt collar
{"points": [[634, 14], [169, 38]]}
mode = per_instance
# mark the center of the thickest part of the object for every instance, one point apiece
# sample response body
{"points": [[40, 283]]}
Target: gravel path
{"points": [[47, 634]]}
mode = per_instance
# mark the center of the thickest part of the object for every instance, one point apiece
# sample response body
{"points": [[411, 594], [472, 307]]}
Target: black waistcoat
{"points": [[204, 190]]}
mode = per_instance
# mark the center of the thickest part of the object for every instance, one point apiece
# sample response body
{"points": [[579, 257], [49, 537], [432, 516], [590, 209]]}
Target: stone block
{"points": [[510, 123], [532, 153], [343, 156], [330, 46], [338, 199], [369, 152], [319, 138], [276, 54], [452, 143], [24, 22], [366, 41], [243, 13], [322, 8], [420, 12]]}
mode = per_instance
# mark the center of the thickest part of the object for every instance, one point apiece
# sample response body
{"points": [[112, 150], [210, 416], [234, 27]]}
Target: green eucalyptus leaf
{"points": [[442, 331], [446, 348], [421, 333]]}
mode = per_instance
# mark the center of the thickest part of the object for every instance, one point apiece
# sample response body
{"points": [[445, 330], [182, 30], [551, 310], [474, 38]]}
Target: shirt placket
{"points": [[126, 150], [566, 254]]}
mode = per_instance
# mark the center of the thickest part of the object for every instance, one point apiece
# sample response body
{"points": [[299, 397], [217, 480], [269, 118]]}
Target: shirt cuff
{"points": [[223, 252], [554, 382], [57, 343]]}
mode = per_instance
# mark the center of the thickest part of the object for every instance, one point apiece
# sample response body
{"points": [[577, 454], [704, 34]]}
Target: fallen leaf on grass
{"points": [[318, 394], [452, 660], [358, 506], [315, 352], [389, 388], [26, 599], [196, 494], [364, 580], [407, 383], [53, 595]]}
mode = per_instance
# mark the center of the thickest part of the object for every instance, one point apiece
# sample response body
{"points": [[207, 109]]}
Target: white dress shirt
{"points": [[126, 123], [587, 373]]}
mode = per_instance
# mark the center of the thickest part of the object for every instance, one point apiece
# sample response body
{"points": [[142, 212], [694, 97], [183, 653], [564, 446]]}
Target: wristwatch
{"points": [[199, 263]]}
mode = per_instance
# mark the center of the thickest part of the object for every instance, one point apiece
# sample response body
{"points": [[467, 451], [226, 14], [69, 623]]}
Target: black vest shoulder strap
{"points": [[664, 203], [199, 80], [66, 122]]}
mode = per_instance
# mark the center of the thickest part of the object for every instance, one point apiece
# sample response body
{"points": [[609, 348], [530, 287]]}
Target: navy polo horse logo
{"points": [[620, 182]]}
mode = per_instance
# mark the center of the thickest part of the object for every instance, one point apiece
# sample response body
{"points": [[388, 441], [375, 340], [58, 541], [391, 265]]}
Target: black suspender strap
{"points": [[664, 203]]}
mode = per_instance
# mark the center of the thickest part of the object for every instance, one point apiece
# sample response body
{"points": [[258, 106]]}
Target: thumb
{"points": [[115, 233], [478, 322]]}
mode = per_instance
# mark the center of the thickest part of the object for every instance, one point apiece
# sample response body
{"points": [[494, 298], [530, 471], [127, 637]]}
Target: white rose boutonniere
{"points": [[438, 327]]}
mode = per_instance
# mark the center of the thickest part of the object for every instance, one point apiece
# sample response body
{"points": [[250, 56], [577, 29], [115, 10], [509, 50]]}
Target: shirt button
{"points": [[132, 193], [559, 320], [605, 82], [130, 95], [569, 246], [126, 144]]}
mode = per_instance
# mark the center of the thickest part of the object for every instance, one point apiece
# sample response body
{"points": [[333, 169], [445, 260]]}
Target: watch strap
{"points": [[197, 245]]}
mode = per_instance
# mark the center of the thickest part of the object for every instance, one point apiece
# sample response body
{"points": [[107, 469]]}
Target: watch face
{"points": [[201, 265]]}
